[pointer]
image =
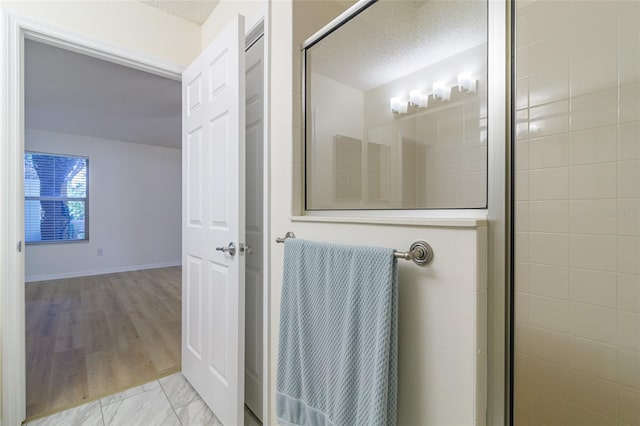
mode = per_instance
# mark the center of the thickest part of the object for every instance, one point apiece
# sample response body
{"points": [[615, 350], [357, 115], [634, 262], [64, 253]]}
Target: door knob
{"points": [[231, 249]]}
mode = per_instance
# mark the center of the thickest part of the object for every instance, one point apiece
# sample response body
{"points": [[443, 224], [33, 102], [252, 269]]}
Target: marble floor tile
{"points": [[85, 415], [178, 390], [147, 408], [196, 413], [107, 400]]}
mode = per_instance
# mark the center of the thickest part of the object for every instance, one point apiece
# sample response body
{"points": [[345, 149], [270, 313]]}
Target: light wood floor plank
{"points": [[93, 336]]}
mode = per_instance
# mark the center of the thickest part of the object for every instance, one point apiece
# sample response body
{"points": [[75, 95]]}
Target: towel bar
{"points": [[420, 252]]}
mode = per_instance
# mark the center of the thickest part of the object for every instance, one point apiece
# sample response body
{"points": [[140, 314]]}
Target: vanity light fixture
{"points": [[398, 106], [441, 91], [417, 98], [466, 83]]}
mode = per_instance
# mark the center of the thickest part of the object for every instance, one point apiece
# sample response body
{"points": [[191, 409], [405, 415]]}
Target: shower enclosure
{"points": [[576, 167]]}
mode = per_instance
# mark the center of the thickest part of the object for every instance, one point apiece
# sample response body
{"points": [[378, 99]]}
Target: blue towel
{"points": [[337, 354]]}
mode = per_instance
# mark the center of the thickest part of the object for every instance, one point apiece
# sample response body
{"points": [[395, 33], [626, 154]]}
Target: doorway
{"points": [[102, 227], [13, 296]]}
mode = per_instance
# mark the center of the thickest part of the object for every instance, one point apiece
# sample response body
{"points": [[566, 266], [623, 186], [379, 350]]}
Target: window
{"points": [[55, 198]]}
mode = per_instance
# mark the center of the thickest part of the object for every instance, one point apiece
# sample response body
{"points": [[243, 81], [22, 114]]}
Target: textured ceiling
{"points": [[67, 92], [394, 38], [195, 11]]}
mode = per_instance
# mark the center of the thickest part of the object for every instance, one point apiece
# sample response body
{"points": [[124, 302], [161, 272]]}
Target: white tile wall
{"points": [[577, 154]]}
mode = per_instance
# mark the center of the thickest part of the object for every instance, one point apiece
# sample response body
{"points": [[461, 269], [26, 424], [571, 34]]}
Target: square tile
{"points": [[549, 378], [593, 60], [549, 151], [594, 110], [552, 15], [549, 119], [549, 86], [592, 322], [549, 281], [592, 216], [547, 409], [547, 54], [549, 216], [593, 287], [593, 181], [594, 145], [549, 313], [593, 252], [549, 184], [549, 249], [546, 344], [595, 358], [594, 393]]}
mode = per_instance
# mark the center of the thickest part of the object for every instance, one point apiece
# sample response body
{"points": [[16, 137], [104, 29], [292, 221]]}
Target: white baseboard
{"points": [[76, 274]]}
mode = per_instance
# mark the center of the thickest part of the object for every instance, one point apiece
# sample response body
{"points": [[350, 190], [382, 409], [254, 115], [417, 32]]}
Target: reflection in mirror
{"points": [[396, 108]]}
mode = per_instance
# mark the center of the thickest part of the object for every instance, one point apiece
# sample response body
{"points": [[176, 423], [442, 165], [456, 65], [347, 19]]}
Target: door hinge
{"points": [[20, 246]]}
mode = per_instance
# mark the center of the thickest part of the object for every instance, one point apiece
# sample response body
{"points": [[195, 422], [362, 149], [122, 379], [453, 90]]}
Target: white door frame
{"points": [[15, 30]]}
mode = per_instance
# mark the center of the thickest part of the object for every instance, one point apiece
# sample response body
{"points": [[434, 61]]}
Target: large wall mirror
{"points": [[395, 107]]}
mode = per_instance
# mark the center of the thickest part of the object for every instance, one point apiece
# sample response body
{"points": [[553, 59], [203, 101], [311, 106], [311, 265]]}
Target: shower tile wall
{"points": [[577, 245]]}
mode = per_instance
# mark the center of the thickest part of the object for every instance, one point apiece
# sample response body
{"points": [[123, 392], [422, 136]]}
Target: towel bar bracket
{"points": [[287, 235], [420, 252]]}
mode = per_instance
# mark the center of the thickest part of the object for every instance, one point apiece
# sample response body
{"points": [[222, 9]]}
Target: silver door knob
{"points": [[231, 249]]}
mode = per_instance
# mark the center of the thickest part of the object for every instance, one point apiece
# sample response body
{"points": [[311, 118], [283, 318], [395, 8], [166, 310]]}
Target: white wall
{"points": [[128, 24], [134, 208]]}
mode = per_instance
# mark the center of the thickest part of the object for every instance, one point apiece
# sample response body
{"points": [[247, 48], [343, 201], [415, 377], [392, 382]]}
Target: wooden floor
{"points": [[93, 336]]}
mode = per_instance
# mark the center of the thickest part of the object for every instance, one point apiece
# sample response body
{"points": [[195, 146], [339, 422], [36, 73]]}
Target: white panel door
{"points": [[213, 216], [255, 229]]}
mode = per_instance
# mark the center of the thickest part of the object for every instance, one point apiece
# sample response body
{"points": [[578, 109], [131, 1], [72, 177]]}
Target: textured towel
{"points": [[337, 355]]}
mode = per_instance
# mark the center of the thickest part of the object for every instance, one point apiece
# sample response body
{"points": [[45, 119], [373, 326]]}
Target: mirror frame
{"points": [[325, 31]]}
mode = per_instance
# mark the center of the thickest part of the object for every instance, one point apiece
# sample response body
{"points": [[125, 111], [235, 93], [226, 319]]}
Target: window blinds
{"points": [[56, 198]]}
